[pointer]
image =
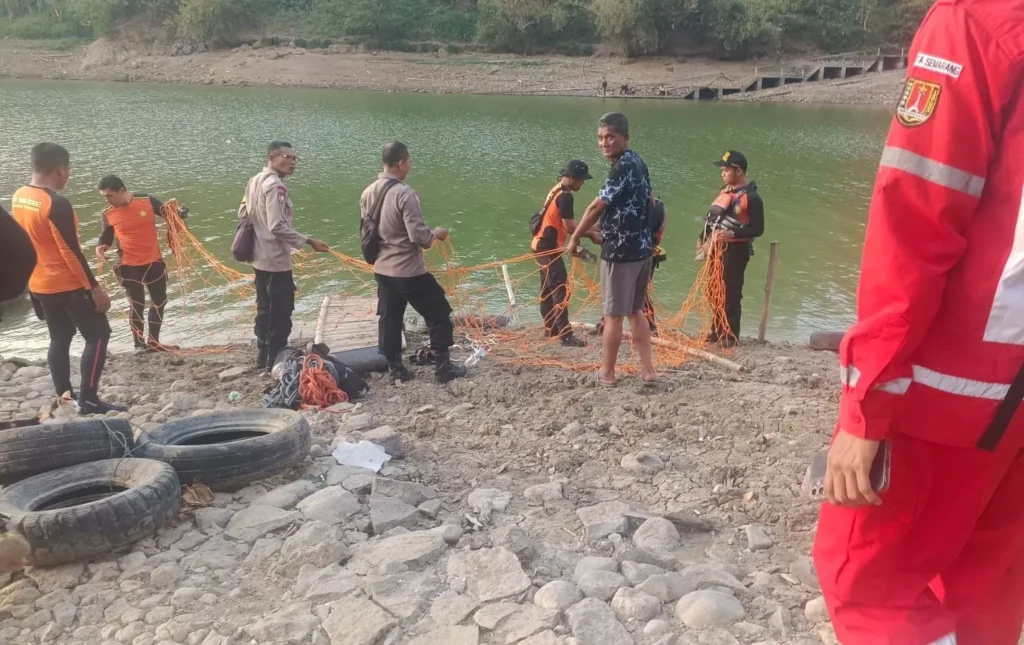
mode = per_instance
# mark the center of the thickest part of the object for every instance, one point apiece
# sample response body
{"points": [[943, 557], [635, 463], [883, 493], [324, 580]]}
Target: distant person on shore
{"points": [[623, 207], [736, 217], [401, 270], [268, 207], [557, 221], [131, 219], [64, 291], [932, 371]]}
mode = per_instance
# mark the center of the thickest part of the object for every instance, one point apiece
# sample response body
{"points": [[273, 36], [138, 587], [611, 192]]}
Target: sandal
{"points": [[596, 377]]}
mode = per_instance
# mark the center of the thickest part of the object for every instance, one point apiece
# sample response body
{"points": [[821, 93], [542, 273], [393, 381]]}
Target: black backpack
{"points": [[369, 227], [538, 218]]}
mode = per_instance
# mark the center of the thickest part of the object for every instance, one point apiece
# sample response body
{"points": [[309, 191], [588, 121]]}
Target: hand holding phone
{"points": [[851, 494]]}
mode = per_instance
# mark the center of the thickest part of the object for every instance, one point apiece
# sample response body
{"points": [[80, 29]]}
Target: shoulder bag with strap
{"points": [[243, 246], [369, 227]]}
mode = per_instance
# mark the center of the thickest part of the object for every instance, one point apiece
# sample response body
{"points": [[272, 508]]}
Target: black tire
{"points": [[36, 449], [228, 451], [70, 514]]}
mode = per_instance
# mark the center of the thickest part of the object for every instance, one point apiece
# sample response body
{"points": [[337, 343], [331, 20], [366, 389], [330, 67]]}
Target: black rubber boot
{"points": [[93, 405], [398, 372], [262, 352], [570, 340], [445, 371]]}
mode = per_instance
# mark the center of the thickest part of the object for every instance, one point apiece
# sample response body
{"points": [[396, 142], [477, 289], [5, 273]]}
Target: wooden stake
{"points": [[769, 284]]}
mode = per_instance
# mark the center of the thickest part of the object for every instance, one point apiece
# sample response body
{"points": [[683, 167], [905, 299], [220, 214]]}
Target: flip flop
{"points": [[655, 383], [596, 376]]}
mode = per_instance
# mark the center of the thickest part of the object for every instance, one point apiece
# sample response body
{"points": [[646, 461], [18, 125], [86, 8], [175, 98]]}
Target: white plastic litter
{"points": [[475, 358], [361, 455]]}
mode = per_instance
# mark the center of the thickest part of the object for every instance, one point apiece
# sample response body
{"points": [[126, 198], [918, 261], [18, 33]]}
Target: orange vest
{"points": [[134, 226], [727, 206], [551, 218], [58, 269]]}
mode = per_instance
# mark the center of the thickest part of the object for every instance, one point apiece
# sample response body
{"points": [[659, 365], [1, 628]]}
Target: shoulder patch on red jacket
{"points": [[918, 102]]}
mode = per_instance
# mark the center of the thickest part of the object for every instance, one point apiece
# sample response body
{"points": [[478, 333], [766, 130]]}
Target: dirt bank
{"points": [[726, 448], [347, 68]]}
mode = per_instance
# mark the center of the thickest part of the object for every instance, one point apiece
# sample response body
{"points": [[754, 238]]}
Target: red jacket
{"points": [[940, 321]]}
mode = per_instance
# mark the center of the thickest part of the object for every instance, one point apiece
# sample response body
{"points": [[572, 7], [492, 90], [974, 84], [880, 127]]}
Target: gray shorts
{"points": [[624, 286]]}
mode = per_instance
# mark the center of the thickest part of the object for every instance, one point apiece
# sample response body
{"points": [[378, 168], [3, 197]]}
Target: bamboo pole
{"points": [[512, 309], [769, 285], [699, 353]]}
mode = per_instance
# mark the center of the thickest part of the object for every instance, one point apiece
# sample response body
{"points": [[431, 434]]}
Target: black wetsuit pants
{"points": [[64, 313], [554, 296], [734, 260], [427, 297], [136, 280]]}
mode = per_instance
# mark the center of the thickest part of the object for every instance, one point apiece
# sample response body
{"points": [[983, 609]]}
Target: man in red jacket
{"points": [[939, 556]]}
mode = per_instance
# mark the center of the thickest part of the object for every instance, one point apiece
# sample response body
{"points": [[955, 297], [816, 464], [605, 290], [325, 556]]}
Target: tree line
{"points": [[729, 29]]}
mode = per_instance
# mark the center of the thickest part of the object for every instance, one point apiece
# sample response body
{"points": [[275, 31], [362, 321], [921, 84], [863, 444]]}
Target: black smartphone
{"points": [[881, 468]]}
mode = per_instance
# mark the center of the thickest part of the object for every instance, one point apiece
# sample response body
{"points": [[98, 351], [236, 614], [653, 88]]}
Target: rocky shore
{"points": [[340, 67], [521, 506]]}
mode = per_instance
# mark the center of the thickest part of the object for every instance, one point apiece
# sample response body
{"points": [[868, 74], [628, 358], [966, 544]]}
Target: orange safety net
{"points": [[496, 303]]}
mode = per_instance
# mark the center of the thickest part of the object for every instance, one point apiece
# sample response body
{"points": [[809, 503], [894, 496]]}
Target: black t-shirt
{"points": [[549, 236]]}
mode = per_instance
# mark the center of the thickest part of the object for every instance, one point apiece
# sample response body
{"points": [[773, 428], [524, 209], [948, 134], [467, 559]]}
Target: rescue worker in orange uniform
{"points": [[556, 222], [737, 218], [933, 365], [131, 219], [63, 289]]}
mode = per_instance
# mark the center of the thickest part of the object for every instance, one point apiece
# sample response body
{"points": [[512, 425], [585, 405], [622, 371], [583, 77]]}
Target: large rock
{"points": [[546, 637], [541, 493], [558, 595], [601, 520], [403, 594], [351, 478], [632, 606], [657, 534], [211, 518], [636, 573], [601, 584], [642, 463], [399, 553], [526, 622], [489, 617], [707, 576], [594, 563], [803, 570], [22, 592], [594, 623], [387, 512], [288, 495], [705, 609], [667, 587], [250, 524], [356, 621], [815, 611], [484, 501], [291, 624], [315, 543], [332, 505], [65, 576], [387, 438], [451, 608], [409, 492], [232, 373], [757, 538], [490, 574], [449, 636], [326, 584]]}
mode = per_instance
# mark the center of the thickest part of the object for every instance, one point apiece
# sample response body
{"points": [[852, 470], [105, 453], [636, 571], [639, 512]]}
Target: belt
{"points": [[1004, 414]]}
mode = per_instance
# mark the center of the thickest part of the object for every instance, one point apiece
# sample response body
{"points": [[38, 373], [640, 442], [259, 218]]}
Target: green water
{"points": [[482, 166]]}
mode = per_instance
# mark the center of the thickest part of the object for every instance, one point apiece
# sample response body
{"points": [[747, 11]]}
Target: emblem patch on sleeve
{"points": [[918, 102]]}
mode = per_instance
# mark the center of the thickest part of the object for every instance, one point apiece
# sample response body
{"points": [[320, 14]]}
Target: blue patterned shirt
{"points": [[625, 224]]}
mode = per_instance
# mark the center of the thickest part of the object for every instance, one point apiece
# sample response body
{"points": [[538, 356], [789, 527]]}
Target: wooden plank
{"points": [[346, 322]]}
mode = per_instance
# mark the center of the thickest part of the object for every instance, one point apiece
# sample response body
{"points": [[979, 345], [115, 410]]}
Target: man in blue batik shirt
{"points": [[623, 207]]}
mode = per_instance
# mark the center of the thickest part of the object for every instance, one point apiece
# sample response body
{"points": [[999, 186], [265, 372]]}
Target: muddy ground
{"points": [[341, 67], [723, 447]]}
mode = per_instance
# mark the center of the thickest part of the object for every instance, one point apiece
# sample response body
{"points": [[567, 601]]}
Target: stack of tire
{"points": [[83, 488]]}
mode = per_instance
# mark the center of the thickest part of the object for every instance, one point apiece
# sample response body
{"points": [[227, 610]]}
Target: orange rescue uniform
{"points": [[52, 225]]}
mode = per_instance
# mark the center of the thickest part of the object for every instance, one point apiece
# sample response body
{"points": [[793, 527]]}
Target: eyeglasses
{"points": [[289, 157]]}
